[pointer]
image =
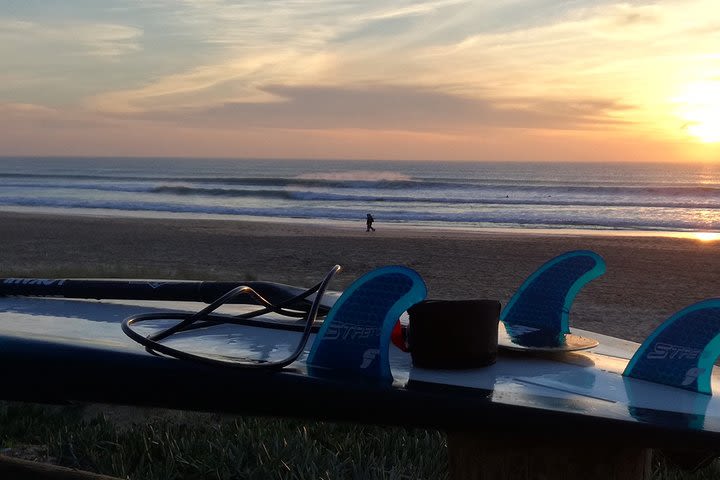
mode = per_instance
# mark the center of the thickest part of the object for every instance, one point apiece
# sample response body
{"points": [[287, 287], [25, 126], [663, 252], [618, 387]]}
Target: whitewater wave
{"points": [[552, 218], [357, 175]]}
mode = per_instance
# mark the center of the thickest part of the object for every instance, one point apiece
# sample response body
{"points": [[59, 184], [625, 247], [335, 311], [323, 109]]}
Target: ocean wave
{"points": [[614, 219], [478, 197], [101, 187], [233, 186], [357, 175], [215, 185], [581, 196], [540, 198], [340, 182]]}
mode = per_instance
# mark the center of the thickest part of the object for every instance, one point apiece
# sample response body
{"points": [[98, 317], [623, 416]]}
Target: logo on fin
{"points": [[369, 356], [681, 352], [666, 350], [692, 376], [355, 336]]}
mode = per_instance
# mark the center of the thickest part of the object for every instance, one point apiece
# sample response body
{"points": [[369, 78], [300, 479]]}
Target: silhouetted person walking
{"points": [[370, 221]]}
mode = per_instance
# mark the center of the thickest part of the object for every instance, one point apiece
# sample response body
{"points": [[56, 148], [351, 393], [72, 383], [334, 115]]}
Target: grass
{"points": [[209, 446], [206, 446]]}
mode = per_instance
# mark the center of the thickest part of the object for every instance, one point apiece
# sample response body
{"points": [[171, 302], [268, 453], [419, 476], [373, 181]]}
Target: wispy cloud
{"points": [[240, 80], [68, 38], [397, 108]]}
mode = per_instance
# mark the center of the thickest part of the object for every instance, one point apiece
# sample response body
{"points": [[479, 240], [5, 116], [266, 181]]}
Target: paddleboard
{"points": [[662, 392]]}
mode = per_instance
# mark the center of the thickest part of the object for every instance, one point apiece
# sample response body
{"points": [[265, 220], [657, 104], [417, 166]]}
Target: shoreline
{"points": [[346, 225], [648, 278]]}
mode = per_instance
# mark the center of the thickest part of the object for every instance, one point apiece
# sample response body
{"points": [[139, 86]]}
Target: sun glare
{"points": [[707, 236], [699, 107]]}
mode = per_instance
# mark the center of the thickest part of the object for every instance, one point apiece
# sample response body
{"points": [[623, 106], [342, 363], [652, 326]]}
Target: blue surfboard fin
{"points": [[354, 339], [537, 315], [681, 352]]}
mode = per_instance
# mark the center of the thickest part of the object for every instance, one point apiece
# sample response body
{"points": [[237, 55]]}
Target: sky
{"points": [[528, 80]]}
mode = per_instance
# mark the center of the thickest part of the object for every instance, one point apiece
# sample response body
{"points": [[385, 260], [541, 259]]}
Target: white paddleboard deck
{"points": [[593, 374]]}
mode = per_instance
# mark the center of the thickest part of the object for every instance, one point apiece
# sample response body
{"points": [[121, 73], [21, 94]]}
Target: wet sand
{"points": [[647, 279]]}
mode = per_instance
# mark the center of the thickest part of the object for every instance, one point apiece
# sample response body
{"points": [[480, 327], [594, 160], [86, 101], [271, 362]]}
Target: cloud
{"points": [[398, 108], [67, 38], [412, 9], [107, 40], [436, 66], [28, 116], [207, 86], [27, 110]]}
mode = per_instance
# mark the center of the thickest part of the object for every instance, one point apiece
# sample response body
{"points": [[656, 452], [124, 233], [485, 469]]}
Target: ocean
{"points": [[549, 196]]}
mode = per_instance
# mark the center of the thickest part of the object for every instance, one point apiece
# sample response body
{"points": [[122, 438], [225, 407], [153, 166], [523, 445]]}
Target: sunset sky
{"points": [[442, 80]]}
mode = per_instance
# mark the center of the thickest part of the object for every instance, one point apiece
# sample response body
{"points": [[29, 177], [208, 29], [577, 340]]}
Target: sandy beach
{"points": [[647, 279]]}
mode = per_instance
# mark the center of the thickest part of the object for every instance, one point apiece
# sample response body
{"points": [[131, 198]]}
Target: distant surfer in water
{"points": [[370, 221]]}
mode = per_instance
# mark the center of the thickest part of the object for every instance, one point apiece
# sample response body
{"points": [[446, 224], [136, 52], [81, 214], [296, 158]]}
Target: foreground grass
{"points": [[204, 446], [207, 446]]}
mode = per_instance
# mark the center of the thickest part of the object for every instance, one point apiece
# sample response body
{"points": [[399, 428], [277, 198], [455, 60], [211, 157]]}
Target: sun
{"points": [[707, 236], [699, 107]]}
